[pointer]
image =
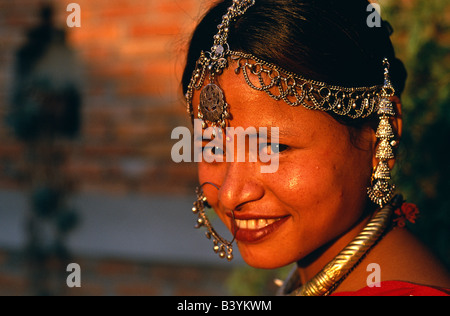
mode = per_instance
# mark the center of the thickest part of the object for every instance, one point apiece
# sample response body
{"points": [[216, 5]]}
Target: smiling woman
{"points": [[331, 85]]}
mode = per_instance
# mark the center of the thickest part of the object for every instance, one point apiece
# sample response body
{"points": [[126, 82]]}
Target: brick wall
{"points": [[131, 57], [118, 277]]}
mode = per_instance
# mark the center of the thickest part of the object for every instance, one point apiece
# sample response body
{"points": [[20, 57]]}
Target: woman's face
{"points": [[317, 194]]}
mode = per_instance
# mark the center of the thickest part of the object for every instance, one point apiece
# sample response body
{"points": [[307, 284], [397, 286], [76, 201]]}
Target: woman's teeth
{"points": [[255, 223]]}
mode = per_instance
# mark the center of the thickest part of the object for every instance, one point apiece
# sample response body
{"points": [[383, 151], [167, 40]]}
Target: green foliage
{"points": [[246, 281], [423, 170]]}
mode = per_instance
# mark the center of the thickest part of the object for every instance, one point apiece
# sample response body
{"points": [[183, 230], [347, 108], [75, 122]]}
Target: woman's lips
{"points": [[253, 229]]}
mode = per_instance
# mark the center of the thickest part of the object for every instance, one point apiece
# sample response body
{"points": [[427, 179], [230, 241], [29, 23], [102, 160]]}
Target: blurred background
{"points": [[86, 176]]}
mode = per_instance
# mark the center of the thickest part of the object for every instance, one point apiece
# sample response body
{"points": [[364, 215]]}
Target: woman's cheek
{"points": [[212, 173], [300, 180]]}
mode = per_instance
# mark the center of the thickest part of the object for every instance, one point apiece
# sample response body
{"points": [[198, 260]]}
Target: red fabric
{"points": [[397, 288]]}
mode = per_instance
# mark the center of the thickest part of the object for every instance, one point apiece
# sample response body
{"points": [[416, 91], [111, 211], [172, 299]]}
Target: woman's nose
{"points": [[240, 186]]}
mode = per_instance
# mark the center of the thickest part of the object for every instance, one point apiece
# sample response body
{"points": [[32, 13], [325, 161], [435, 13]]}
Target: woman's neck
{"points": [[312, 264]]}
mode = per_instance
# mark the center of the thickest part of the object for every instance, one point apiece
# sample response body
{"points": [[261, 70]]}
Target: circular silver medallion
{"points": [[212, 103]]}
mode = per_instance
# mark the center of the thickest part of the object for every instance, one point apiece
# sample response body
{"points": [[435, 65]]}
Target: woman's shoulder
{"points": [[404, 257], [405, 266], [397, 288]]}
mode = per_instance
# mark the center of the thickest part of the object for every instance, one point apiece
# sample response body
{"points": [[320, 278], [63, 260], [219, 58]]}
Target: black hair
{"points": [[324, 40]]}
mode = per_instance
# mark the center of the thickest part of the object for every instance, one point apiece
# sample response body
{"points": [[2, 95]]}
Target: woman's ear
{"points": [[397, 128]]}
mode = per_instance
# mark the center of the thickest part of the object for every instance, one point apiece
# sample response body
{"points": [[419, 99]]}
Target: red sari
{"points": [[397, 288]]}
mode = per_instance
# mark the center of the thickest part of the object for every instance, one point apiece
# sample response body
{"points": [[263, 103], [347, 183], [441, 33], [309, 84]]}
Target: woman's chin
{"points": [[260, 259]]}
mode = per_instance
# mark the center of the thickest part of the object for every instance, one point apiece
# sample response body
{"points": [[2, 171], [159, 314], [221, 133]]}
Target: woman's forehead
{"points": [[249, 107]]}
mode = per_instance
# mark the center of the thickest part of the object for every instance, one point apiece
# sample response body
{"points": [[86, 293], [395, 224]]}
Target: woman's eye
{"points": [[213, 150], [273, 148]]}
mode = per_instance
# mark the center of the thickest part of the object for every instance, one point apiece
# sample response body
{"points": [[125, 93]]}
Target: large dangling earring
{"points": [[381, 190], [222, 247]]}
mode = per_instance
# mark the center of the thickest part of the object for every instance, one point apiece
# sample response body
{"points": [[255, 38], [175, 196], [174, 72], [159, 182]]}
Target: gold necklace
{"points": [[327, 280]]}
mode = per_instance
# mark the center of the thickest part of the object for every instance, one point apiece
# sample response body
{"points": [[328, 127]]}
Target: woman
{"points": [[330, 85]]}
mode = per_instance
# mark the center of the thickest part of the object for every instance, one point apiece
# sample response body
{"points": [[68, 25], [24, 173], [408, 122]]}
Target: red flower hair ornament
{"points": [[406, 212]]}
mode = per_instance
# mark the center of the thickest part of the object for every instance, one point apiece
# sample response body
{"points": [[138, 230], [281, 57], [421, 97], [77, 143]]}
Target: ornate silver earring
{"points": [[222, 247], [381, 190]]}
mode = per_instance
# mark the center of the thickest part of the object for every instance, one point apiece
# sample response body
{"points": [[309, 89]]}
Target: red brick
{"points": [[175, 6], [88, 288], [119, 71], [116, 268], [154, 48], [108, 151], [97, 132], [151, 86], [12, 150], [15, 284], [149, 30], [126, 9], [88, 169], [163, 68]]}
